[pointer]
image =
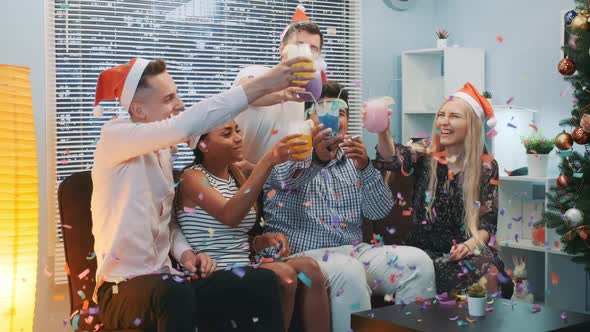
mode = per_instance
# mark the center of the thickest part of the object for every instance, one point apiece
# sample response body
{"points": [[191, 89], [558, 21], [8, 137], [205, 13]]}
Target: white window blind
{"points": [[204, 42]]}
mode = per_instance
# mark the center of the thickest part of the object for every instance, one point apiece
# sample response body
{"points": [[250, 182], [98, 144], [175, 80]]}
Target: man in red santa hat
{"points": [[283, 107], [132, 209]]}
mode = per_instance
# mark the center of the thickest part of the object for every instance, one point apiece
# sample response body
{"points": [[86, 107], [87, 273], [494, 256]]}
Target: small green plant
{"points": [[487, 94], [476, 290], [537, 144], [442, 34]]}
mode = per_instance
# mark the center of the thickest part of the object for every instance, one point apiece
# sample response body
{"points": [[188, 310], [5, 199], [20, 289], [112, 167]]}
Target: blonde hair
{"points": [[473, 147]]}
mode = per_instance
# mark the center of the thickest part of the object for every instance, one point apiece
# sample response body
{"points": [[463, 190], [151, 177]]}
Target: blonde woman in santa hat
{"points": [[218, 214], [455, 203]]}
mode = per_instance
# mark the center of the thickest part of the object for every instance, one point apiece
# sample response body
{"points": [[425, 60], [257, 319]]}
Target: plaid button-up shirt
{"points": [[323, 206]]}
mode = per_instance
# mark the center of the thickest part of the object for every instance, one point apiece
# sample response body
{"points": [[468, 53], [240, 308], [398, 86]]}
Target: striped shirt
{"points": [[226, 245], [323, 207]]}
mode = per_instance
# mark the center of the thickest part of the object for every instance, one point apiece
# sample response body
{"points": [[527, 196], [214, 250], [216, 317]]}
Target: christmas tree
{"points": [[568, 208]]}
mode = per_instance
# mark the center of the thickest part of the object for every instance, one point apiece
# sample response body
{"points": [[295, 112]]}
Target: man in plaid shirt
{"points": [[320, 203]]}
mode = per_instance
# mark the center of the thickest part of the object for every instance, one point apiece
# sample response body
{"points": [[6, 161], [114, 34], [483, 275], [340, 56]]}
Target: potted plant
{"points": [[442, 35], [537, 149], [476, 300], [487, 95]]}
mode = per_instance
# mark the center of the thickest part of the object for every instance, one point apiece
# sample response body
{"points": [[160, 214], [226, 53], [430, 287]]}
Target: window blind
{"points": [[204, 42]]}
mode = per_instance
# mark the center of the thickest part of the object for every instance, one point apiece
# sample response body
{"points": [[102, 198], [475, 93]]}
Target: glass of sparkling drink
{"points": [[295, 50], [303, 128]]}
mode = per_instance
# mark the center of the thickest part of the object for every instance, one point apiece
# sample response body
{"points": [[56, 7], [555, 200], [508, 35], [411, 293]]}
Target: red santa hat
{"points": [[300, 16], [480, 105], [120, 83]]}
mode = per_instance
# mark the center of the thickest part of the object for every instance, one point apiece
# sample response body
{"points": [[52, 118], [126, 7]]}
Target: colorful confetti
{"points": [[407, 213], [535, 128], [240, 272], [462, 323], [554, 278], [189, 209], [271, 194], [390, 230], [494, 182], [536, 308], [304, 279], [407, 173], [470, 320], [509, 100], [81, 294], [392, 278], [499, 39], [137, 322], [492, 241], [307, 204], [451, 175], [492, 133], [563, 315], [91, 256], [83, 274]]}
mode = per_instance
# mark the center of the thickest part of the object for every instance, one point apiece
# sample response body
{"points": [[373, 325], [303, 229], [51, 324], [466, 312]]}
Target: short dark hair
{"points": [[154, 67], [331, 89], [307, 26]]}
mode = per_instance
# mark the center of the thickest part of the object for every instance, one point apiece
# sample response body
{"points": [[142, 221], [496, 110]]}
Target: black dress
{"points": [[435, 235]]}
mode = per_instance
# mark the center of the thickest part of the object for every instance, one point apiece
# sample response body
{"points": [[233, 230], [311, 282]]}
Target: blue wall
{"points": [[385, 34], [524, 66]]}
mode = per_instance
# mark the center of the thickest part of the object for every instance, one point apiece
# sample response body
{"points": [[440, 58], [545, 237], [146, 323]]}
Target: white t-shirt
{"points": [[263, 127]]}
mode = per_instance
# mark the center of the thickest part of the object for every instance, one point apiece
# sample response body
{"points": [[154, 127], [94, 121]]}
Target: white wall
{"points": [[22, 43]]}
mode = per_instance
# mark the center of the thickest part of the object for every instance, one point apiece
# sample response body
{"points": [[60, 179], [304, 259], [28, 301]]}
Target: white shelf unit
{"points": [[431, 75], [518, 197]]}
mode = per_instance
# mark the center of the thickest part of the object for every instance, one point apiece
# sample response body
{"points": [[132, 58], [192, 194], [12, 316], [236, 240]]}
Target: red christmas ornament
{"points": [[581, 136], [563, 181], [566, 67]]}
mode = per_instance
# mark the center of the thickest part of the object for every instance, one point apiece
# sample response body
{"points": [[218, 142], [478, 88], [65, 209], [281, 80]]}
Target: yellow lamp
{"points": [[19, 202]]}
